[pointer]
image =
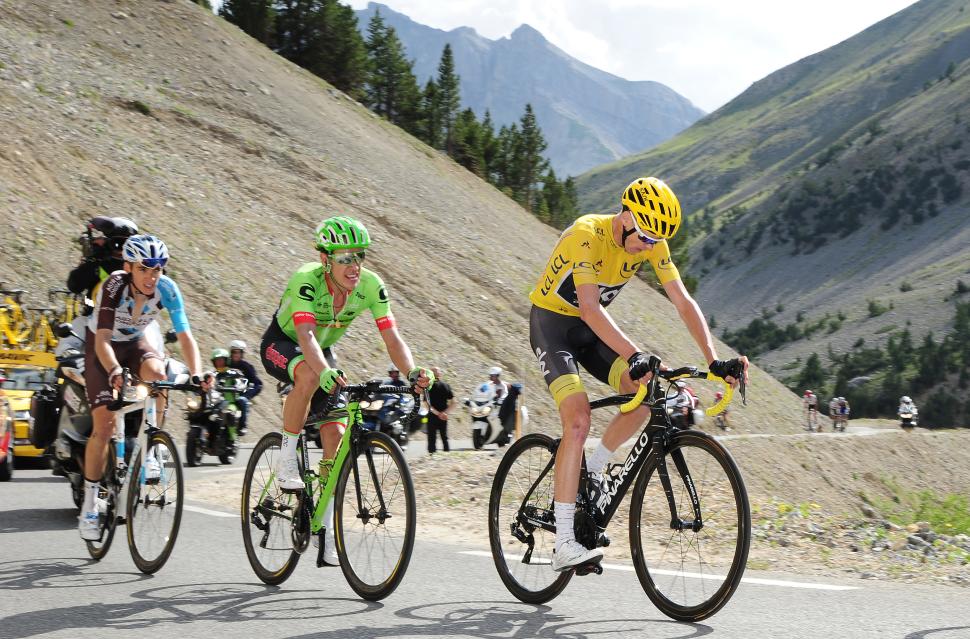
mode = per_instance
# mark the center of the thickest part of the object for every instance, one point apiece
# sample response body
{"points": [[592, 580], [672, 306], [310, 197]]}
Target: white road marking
{"points": [[694, 575], [206, 511], [237, 469]]}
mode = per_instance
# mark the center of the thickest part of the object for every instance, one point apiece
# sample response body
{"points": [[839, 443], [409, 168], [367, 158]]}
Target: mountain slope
{"points": [[589, 117], [169, 115], [839, 179]]}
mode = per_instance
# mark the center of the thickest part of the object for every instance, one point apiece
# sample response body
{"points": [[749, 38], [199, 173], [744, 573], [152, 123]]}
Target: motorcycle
{"points": [[62, 416], [386, 413], [493, 421], [908, 419], [213, 419]]}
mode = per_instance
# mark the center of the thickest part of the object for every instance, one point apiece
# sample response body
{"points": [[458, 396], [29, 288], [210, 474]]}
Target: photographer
{"points": [[101, 244]]}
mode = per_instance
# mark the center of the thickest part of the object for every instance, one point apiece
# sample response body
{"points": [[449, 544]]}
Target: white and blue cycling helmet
{"points": [[145, 249]]}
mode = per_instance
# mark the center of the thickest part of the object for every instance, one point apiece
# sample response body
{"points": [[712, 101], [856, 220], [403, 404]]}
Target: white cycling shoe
{"points": [[89, 525], [572, 553], [288, 475]]}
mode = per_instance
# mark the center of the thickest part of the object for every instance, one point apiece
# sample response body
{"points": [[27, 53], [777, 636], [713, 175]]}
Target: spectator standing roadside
{"points": [[442, 400]]}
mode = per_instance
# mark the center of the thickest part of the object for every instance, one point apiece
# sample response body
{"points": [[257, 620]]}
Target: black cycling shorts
{"points": [[559, 342], [280, 354]]}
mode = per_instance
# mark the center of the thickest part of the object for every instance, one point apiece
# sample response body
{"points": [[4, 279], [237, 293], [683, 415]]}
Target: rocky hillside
{"points": [[836, 181], [589, 117], [162, 112]]}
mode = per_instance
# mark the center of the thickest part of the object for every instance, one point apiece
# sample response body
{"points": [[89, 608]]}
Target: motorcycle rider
{"points": [[907, 405], [237, 350], [101, 244], [126, 305], [500, 389]]}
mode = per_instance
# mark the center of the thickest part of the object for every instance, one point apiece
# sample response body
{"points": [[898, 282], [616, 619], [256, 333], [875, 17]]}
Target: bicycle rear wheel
{"points": [[267, 513], [154, 508], [689, 575], [109, 518], [374, 516], [522, 495]]}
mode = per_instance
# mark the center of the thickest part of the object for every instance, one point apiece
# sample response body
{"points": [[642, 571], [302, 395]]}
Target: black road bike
{"points": [[689, 519]]}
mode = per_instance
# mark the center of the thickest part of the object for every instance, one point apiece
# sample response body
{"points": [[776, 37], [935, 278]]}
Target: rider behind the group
{"points": [[906, 405], [237, 351], [101, 244], [321, 299], [569, 325], [722, 419], [810, 404], [127, 304]]}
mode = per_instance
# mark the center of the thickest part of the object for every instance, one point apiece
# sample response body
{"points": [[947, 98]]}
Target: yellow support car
{"points": [[24, 371]]}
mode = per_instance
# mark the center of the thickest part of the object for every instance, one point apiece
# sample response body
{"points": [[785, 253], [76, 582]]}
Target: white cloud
{"points": [[707, 50]]}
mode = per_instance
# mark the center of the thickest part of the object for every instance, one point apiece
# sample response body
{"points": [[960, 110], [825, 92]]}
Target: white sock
{"points": [[91, 490], [328, 519], [565, 513], [596, 462], [288, 448]]}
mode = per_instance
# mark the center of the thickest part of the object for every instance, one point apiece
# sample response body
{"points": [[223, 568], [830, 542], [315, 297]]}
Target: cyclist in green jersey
{"points": [[321, 300]]}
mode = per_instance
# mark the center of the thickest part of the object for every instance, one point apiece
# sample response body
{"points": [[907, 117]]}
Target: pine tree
{"points": [[392, 89], [812, 375], [377, 54], [529, 159], [254, 17], [489, 147], [431, 115], [468, 143], [449, 97], [551, 200], [297, 30]]}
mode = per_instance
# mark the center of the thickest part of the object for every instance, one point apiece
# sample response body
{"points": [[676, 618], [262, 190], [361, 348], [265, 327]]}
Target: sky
{"points": [[707, 50]]}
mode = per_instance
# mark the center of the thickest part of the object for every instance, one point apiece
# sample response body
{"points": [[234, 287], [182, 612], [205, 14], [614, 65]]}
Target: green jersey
{"points": [[308, 300]]}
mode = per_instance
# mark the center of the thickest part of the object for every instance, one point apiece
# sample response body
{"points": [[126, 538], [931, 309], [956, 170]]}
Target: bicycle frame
{"points": [[654, 440]]}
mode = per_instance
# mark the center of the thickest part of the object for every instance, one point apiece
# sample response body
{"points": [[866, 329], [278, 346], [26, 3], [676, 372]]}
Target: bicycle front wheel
{"points": [[267, 514], [520, 502], [374, 516], [690, 574], [154, 508]]}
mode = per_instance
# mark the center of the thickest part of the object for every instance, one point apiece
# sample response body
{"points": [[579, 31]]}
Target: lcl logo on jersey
{"points": [[628, 270]]}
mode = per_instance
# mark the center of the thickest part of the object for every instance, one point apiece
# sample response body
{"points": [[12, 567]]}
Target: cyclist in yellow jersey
{"points": [[569, 326]]}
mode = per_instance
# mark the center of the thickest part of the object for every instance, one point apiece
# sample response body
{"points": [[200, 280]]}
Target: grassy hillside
{"points": [[836, 181], [165, 113]]}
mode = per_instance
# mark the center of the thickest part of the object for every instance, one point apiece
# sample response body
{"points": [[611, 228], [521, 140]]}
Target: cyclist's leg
{"points": [[608, 367], [548, 338], [99, 396]]}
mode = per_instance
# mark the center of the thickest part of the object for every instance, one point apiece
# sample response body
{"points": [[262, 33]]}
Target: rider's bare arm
{"points": [[596, 317], [190, 350], [690, 313], [102, 348], [312, 353], [397, 350]]}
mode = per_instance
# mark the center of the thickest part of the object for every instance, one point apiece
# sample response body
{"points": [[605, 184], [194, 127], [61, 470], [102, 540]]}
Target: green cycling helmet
{"points": [[219, 352], [341, 232]]}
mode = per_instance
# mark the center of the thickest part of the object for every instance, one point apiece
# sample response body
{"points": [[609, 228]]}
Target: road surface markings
{"points": [[206, 511], [694, 575]]}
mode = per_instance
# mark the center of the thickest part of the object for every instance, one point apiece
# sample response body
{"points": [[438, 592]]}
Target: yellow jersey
{"points": [[587, 254]]}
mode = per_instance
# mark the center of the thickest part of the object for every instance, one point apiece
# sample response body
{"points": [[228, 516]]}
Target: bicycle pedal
{"points": [[591, 567]]}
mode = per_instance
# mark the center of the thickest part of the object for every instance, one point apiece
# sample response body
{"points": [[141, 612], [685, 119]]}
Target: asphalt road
{"points": [[50, 588]]}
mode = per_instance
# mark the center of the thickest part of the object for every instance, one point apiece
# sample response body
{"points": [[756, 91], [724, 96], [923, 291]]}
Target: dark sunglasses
{"points": [[346, 259]]}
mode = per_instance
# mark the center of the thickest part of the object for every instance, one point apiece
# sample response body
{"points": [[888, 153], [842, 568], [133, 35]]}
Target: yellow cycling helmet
{"points": [[654, 206]]}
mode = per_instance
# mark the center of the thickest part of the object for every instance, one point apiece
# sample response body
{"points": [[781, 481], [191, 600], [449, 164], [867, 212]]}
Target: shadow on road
{"points": [[46, 479], [494, 619], [59, 573], [38, 520], [938, 633], [186, 604]]}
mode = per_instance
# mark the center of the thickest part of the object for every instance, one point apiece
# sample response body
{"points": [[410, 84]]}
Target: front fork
{"points": [[676, 523]]}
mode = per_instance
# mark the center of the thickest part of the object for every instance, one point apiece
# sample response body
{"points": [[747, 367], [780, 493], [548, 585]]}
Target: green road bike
{"points": [[374, 507]]}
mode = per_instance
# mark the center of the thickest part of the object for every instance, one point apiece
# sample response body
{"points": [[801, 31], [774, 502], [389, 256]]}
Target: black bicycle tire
{"points": [[379, 591], [266, 576], [154, 565], [98, 553], [494, 534], [723, 594]]}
